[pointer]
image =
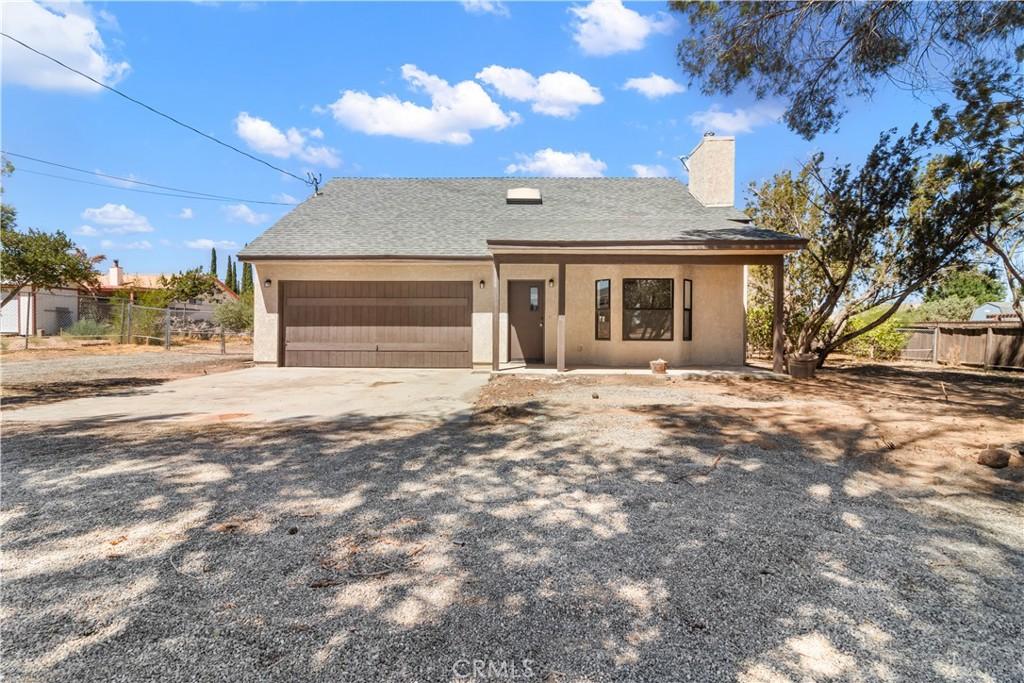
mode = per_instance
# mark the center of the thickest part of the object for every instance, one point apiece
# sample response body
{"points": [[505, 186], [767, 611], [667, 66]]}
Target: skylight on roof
{"points": [[523, 195]]}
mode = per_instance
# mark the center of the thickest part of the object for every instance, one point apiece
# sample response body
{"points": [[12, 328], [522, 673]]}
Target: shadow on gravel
{"points": [[20, 396], [552, 543]]}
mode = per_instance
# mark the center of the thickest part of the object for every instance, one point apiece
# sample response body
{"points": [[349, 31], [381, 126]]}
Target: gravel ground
{"points": [[58, 377], [675, 531]]}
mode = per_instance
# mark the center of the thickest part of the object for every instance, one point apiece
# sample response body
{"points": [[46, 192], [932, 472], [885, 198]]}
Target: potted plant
{"points": [[802, 365]]}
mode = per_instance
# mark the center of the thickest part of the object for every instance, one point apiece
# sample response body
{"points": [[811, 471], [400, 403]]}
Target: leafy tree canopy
{"points": [[813, 54], [985, 164], [44, 260], [875, 235], [190, 284], [978, 286]]}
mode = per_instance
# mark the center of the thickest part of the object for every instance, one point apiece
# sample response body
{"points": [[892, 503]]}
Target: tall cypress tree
{"points": [[213, 261], [229, 275], [246, 278]]}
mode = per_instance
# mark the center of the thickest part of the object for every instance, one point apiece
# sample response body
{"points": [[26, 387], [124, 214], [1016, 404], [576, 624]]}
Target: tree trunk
{"points": [[13, 293]]}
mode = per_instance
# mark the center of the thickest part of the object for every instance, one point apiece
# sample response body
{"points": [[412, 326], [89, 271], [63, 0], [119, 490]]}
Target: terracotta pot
{"points": [[803, 366], [659, 367]]}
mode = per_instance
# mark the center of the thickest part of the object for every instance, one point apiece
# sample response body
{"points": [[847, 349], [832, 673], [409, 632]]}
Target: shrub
{"points": [[759, 329], [235, 316], [940, 310], [88, 328], [884, 342]]}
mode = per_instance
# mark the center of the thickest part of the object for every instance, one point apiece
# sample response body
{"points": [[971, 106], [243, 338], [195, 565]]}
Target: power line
{"points": [[154, 110], [135, 189], [191, 193]]}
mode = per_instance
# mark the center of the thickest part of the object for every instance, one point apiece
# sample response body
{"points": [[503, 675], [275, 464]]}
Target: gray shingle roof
{"points": [[455, 217]]}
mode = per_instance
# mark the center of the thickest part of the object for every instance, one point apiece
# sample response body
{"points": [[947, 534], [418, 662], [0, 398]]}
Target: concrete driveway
{"points": [[271, 394]]}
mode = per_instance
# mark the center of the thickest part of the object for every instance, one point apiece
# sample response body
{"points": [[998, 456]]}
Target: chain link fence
{"points": [[193, 326]]}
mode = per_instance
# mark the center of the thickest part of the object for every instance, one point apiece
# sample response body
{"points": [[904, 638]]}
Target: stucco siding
{"points": [[718, 316]]}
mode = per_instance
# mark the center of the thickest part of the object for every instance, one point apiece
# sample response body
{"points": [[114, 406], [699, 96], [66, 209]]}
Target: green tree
{"points": [[236, 315], [8, 214], [814, 54], [985, 166], [189, 284], [247, 287], [213, 261], [972, 284], [875, 236], [43, 260]]}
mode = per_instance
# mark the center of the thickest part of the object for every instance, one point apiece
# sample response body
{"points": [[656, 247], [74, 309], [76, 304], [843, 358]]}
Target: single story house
{"points": [[44, 311], [994, 310], [463, 272], [117, 280]]}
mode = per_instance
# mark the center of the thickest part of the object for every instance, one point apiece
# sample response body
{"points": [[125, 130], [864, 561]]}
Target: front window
{"points": [[603, 305], [647, 313], [687, 310]]}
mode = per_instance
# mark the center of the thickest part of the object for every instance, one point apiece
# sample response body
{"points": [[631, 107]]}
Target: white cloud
{"points": [[87, 231], [117, 219], [559, 93], [142, 245], [486, 7], [186, 214], [454, 112], [285, 198], [605, 27], [654, 86], [205, 243], [68, 32], [548, 162], [738, 121], [243, 214], [651, 171], [262, 136]]}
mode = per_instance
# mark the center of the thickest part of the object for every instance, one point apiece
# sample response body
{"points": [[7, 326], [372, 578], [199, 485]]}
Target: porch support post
{"points": [[778, 334], [560, 353], [496, 316]]}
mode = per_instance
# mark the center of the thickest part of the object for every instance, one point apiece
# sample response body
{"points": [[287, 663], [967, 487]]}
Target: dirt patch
{"points": [[36, 382], [13, 349], [922, 417]]}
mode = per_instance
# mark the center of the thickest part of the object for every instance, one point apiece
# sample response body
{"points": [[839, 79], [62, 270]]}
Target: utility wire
{"points": [[135, 189], [198, 195], [154, 110]]}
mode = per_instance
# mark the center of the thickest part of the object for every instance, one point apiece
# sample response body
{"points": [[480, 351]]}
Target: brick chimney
{"points": [[115, 276], [712, 169]]}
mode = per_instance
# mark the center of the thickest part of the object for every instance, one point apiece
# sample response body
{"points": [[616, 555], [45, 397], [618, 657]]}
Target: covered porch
{"points": [[600, 309]]}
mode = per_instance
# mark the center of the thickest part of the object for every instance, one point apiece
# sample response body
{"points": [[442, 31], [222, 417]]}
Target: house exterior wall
{"points": [[17, 315], [718, 316]]}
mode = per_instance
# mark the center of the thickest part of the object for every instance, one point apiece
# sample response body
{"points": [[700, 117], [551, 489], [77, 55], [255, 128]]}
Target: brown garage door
{"points": [[377, 324]]}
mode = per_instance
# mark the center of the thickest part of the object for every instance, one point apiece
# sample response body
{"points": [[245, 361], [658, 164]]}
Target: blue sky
{"points": [[384, 89]]}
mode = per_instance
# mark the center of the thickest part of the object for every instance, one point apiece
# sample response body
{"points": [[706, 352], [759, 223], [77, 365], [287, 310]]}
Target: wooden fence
{"points": [[982, 344]]}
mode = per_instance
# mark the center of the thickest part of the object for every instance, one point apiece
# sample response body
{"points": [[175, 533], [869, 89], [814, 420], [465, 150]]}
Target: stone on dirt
{"points": [[995, 458]]}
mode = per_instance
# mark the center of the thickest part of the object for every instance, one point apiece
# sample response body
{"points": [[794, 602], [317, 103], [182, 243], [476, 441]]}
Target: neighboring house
{"points": [[582, 271], [46, 311], [994, 310]]}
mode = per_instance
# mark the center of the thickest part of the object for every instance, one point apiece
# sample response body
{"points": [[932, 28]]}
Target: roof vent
{"points": [[523, 195]]}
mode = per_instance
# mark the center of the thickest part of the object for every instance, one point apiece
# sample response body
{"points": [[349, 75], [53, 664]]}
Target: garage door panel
{"points": [[377, 324]]}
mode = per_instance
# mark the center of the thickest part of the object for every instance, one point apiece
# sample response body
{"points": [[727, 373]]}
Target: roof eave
{"points": [[738, 243]]}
